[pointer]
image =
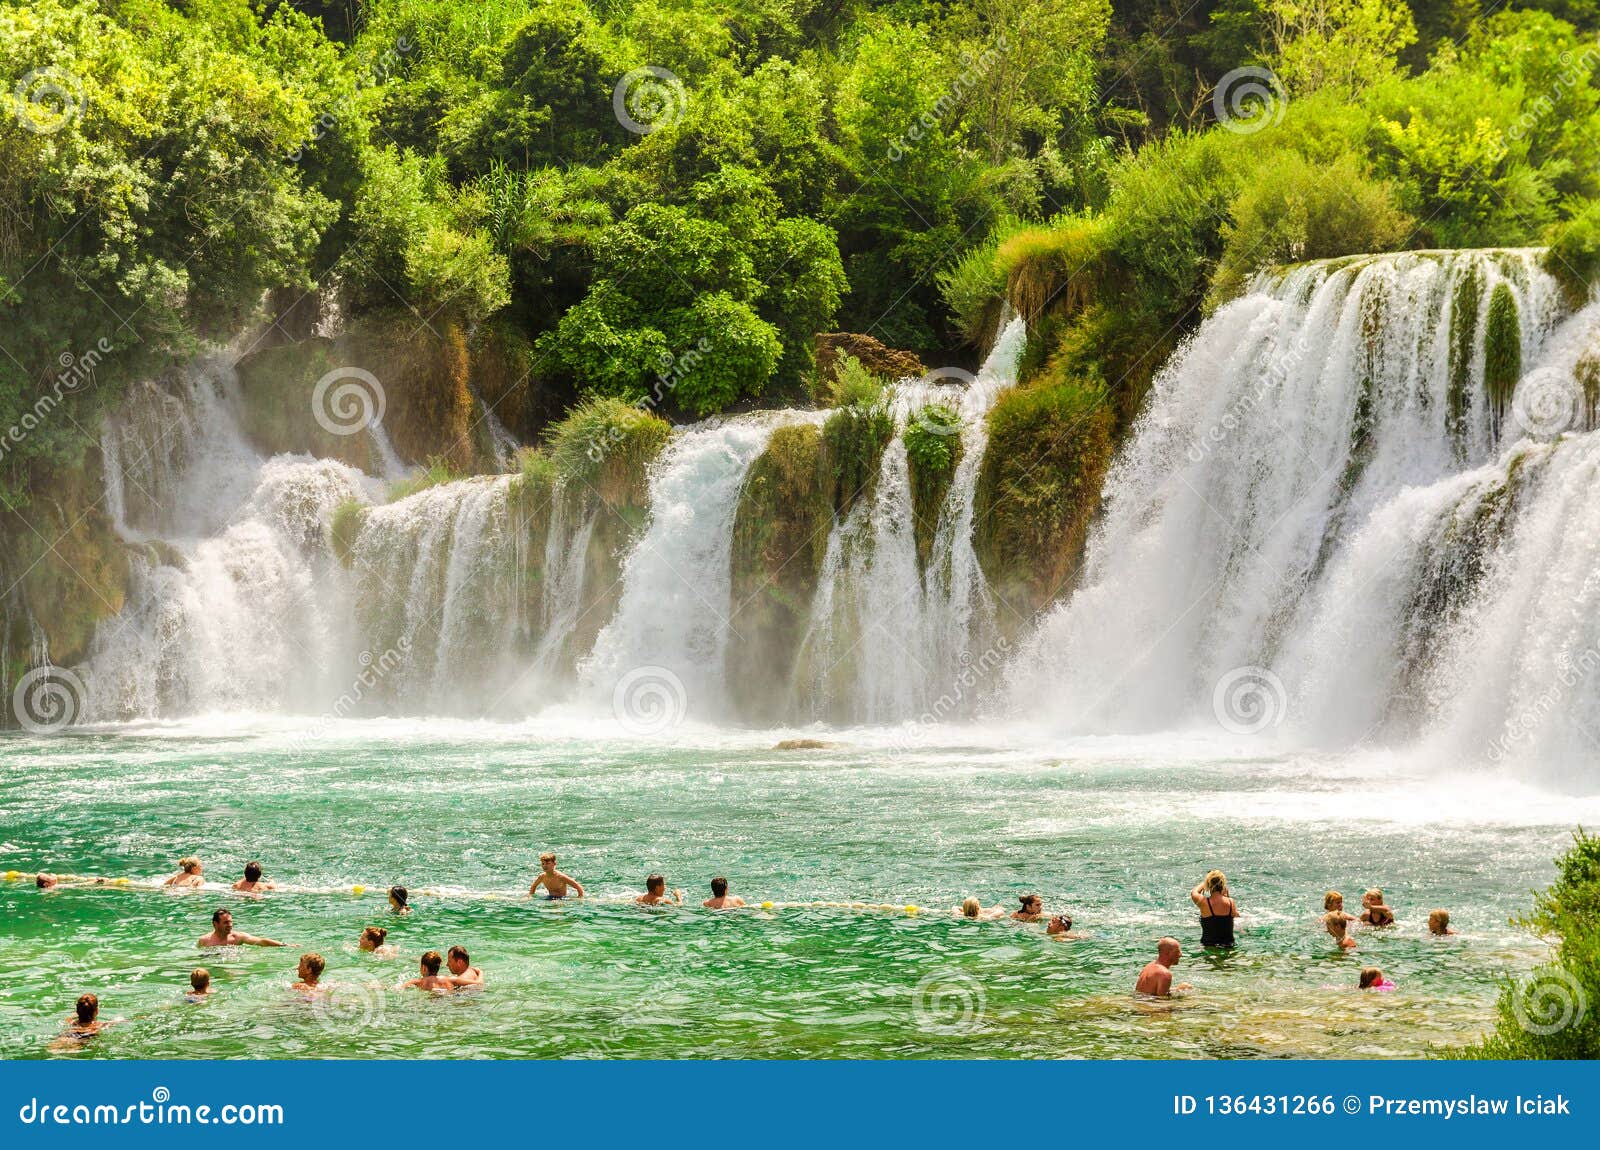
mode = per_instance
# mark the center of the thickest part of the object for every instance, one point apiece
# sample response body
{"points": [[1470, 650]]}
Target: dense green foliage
{"points": [[1551, 1014]]}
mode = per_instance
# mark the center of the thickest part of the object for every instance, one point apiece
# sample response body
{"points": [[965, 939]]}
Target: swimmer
{"points": [[720, 898], [1156, 978], [309, 972], [1337, 919], [45, 881], [1032, 909], [1217, 910], [462, 972], [655, 891], [554, 882], [1439, 924], [1060, 927], [1339, 928], [251, 882], [1372, 979], [1373, 910], [83, 1022], [199, 985], [223, 934], [973, 908], [372, 939], [430, 979], [399, 900], [188, 875]]}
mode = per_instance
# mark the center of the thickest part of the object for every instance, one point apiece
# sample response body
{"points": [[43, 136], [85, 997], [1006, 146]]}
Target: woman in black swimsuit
{"points": [[1217, 910]]}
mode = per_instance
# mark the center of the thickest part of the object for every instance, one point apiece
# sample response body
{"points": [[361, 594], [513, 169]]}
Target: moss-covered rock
{"points": [[1465, 303], [933, 451], [1502, 350], [780, 534], [889, 362], [853, 440], [348, 519], [1038, 489]]}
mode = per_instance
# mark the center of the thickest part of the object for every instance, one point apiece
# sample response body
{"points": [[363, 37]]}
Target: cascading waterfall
{"points": [[1333, 500], [887, 638]]}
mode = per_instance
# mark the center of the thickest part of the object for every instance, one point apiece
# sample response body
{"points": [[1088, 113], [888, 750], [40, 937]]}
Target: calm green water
{"points": [[1113, 832]]}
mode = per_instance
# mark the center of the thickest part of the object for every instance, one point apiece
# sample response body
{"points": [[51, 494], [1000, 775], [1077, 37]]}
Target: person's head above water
{"points": [[44, 881], [1215, 882], [548, 860], [719, 887], [458, 960], [430, 962], [311, 967], [1438, 921], [971, 908], [88, 1006], [1370, 976], [1031, 903], [1059, 924], [1333, 900], [655, 884], [1168, 952], [398, 896], [200, 979], [190, 865], [222, 920], [252, 871], [372, 937]]}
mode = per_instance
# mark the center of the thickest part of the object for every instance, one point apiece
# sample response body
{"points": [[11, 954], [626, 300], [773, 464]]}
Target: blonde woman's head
{"points": [[971, 908], [1216, 883], [189, 864]]}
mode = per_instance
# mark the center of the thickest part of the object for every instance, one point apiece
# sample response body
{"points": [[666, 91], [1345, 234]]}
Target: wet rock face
{"points": [[888, 362]]}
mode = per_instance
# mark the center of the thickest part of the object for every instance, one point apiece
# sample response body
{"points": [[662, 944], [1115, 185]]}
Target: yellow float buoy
{"points": [[12, 876], [119, 882], [358, 889], [766, 906], [910, 909]]}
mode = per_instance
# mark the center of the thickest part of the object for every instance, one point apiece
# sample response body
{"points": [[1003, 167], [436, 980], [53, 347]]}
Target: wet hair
{"points": [[548, 856], [199, 978], [1064, 919], [88, 1006], [1370, 977], [1374, 893], [1438, 921], [252, 871], [1027, 898], [1216, 882], [1333, 900], [1338, 927], [44, 881], [719, 886], [971, 907], [459, 952], [216, 915], [399, 894], [315, 963], [655, 881], [188, 864], [376, 933], [431, 961]]}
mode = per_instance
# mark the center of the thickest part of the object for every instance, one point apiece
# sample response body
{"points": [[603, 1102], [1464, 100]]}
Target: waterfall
{"points": [[1335, 515], [565, 550], [886, 639]]}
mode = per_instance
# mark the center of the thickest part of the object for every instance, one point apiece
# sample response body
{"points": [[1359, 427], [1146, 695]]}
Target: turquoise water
{"points": [[1113, 832]]}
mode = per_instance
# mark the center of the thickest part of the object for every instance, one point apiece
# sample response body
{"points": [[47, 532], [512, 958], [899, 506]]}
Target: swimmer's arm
{"points": [[576, 885], [536, 884], [252, 940], [1196, 897]]}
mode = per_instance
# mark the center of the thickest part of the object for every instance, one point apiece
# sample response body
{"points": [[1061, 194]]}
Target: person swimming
{"points": [[655, 892], [1031, 911], [720, 898], [199, 985], [1337, 920], [399, 900], [188, 875], [1060, 927], [1156, 978], [1372, 978], [430, 979], [309, 973], [84, 1021], [1217, 910], [251, 882], [45, 881], [554, 882], [373, 939], [1439, 924], [1373, 910], [973, 908], [462, 972], [223, 934]]}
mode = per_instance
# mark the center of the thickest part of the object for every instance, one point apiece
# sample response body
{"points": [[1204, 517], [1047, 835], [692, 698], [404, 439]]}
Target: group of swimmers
{"points": [[1211, 897]]}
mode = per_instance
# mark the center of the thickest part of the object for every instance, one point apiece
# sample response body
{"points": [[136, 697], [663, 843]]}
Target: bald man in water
{"points": [[1156, 978]]}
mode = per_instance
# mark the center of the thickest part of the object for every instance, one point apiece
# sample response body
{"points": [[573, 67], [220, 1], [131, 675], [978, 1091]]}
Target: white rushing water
{"points": [[1324, 528]]}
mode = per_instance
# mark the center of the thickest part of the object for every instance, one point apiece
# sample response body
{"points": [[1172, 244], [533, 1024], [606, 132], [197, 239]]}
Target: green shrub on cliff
{"points": [[853, 440], [608, 446], [1555, 1011], [348, 519], [933, 448], [1574, 254]]}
